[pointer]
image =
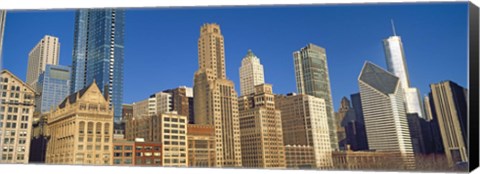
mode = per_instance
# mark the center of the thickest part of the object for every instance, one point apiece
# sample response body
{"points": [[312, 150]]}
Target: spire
{"points": [[250, 53], [393, 27]]}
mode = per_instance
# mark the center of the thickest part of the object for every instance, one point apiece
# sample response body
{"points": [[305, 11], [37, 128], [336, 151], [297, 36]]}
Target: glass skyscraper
{"points": [[98, 53], [311, 73], [396, 64], [53, 86]]}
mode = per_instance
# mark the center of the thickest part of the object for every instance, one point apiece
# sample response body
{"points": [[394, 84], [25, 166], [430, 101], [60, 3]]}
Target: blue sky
{"points": [[161, 43]]}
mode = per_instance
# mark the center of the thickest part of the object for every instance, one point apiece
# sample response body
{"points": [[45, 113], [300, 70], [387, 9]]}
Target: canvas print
{"points": [[319, 87]]}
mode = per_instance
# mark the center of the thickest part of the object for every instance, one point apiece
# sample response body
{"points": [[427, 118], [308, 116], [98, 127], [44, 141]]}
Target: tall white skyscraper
{"points": [[384, 111], [46, 51], [251, 74], [3, 15], [397, 65]]}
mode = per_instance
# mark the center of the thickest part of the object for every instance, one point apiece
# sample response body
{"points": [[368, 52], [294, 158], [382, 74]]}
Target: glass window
{"points": [[118, 148]]}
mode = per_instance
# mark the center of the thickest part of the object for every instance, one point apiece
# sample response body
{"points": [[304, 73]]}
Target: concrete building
{"points": [[304, 123], [98, 53], [251, 74], [201, 145], [301, 156], [311, 74], [450, 108], [261, 129], [384, 112], [169, 129], [52, 87], [182, 101], [47, 51], [3, 15], [397, 65], [137, 153], [127, 114], [81, 129], [123, 152], [215, 98], [367, 160], [157, 103], [16, 115]]}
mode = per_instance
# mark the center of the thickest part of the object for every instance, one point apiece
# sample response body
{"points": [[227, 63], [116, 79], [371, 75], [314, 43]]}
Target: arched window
{"points": [[98, 128], [107, 128], [90, 128]]}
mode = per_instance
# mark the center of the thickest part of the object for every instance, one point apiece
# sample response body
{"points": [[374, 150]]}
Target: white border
{"points": [[69, 4]]}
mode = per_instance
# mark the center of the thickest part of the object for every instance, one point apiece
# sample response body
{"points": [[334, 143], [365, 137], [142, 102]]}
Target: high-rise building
{"points": [[215, 98], [450, 101], [201, 145], [169, 129], [261, 129], [81, 129], [98, 53], [344, 115], [3, 15], [384, 112], [47, 51], [16, 115], [157, 103], [311, 73], [416, 126], [434, 142], [39, 139], [397, 65], [182, 101], [52, 87], [251, 74], [355, 128], [304, 123]]}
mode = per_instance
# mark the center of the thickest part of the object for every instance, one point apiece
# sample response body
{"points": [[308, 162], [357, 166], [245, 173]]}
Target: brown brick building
{"points": [[201, 145]]}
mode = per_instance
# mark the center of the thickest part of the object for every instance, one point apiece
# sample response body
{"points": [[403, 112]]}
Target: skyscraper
{"points": [[261, 130], [98, 53], [47, 51], [16, 115], [215, 99], [397, 65], [3, 15], [450, 101], [52, 87], [251, 74], [311, 73], [305, 130], [384, 112], [182, 101]]}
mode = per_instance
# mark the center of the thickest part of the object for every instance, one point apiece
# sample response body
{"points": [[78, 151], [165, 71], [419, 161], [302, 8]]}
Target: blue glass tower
{"points": [[98, 53], [53, 86]]}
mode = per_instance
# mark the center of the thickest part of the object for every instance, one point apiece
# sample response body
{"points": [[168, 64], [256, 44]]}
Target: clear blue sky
{"points": [[161, 44]]}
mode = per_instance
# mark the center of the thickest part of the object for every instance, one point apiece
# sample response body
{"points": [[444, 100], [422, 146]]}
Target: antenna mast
{"points": [[393, 27]]}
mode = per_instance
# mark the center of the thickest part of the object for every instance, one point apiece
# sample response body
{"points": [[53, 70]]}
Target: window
{"points": [[117, 161], [139, 154], [106, 147], [138, 148], [80, 147], [116, 154], [118, 148], [128, 147], [156, 154], [128, 154], [128, 161]]}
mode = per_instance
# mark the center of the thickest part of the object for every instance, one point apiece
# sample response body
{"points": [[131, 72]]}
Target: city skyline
{"points": [[419, 43]]}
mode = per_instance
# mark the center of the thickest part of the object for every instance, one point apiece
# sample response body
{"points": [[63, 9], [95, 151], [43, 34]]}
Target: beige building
{"points": [[450, 104], [261, 130], [169, 129], [46, 51], [215, 99], [251, 74], [367, 160], [304, 122], [81, 129], [300, 156], [201, 145], [157, 103], [16, 115]]}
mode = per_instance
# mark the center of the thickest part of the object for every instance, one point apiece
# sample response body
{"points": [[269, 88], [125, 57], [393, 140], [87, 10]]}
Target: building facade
{"points": [[98, 53], [304, 123], [16, 115], [384, 112], [450, 107], [251, 74], [169, 129], [300, 156], [81, 129], [201, 145], [367, 160], [261, 129], [215, 98], [39, 139], [47, 51], [52, 87], [123, 153], [397, 65], [182, 101], [311, 74], [157, 103]]}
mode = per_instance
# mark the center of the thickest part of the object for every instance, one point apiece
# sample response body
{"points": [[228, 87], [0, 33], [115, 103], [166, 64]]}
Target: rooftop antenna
{"points": [[393, 27]]}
